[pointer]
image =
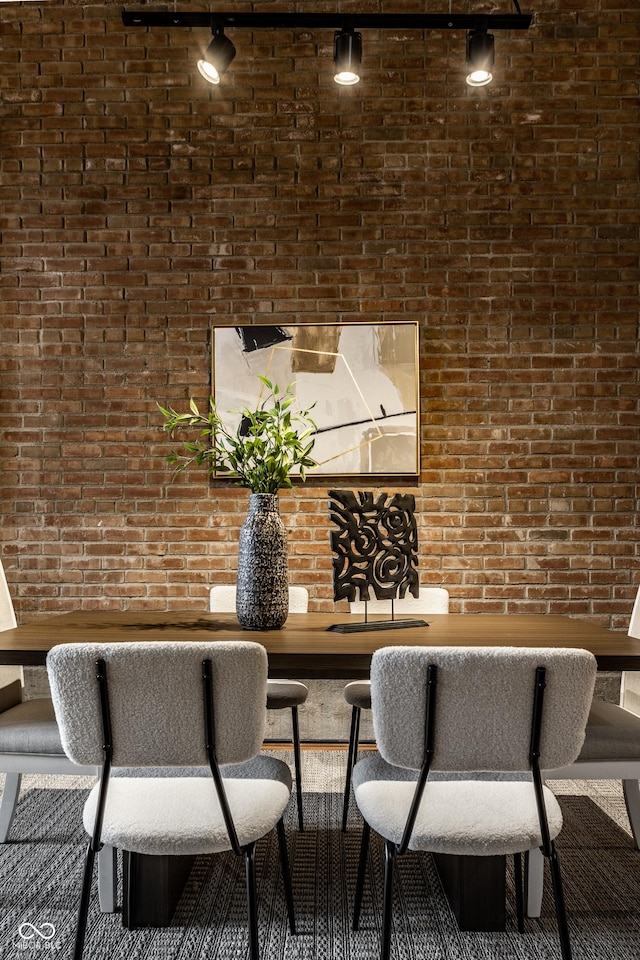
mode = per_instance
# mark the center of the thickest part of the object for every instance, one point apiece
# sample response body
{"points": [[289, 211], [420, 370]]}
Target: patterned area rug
{"points": [[40, 872]]}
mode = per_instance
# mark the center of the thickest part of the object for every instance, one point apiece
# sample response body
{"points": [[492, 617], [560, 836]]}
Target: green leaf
{"points": [[277, 439]]}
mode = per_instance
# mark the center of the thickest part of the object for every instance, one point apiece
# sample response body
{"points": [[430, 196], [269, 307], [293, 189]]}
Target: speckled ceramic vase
{"points": [[262, 592]]}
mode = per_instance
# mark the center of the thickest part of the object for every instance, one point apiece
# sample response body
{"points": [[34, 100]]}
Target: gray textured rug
{"points": [[40, 870]]}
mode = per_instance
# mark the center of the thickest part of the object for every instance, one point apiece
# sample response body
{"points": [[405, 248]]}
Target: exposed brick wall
{"points": [[139, 205]]}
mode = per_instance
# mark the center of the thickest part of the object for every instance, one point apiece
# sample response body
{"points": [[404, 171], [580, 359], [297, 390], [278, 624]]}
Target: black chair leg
{"points": [[83, 909], [286, 876], [297, 762], [252, 900], [561, 913], [517, 879], [352, 756], [362, 867], [387, 901]]}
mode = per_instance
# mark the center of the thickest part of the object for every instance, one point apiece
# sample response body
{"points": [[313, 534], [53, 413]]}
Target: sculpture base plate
{"points": [[375, 625]]}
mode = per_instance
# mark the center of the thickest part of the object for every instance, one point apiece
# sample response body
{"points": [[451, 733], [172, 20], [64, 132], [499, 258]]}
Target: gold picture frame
{"points": [[361, 380]]}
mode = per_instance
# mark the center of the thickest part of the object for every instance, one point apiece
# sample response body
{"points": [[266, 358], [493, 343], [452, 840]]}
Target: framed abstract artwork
{"points": [[361, 380]]}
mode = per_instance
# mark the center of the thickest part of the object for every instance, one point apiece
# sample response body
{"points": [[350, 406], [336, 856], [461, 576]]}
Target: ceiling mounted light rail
{"points": [[347, 43]]}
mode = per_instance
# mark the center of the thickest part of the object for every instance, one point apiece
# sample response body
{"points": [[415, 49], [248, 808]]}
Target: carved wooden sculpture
{"points": [[375, 548]]}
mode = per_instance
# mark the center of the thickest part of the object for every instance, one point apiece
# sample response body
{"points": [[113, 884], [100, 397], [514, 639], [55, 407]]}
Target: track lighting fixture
{"points": [[480, 57], [217, 56], [347, 44], [347, 56]]}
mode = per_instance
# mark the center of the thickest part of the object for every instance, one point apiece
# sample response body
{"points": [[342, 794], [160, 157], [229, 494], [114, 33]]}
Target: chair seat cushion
{"points": [[463, 817], [358, 694], [612, 734], [181, 815], [285, 693], [259, 768], [30, 727]]}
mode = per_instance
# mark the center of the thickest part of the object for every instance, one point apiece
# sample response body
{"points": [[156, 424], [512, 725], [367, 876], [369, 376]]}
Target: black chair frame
{"points": [[352, 756], [297, 764]]}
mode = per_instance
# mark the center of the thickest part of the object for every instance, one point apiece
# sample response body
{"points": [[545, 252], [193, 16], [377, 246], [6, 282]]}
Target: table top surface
{"points": [[305, 648]]}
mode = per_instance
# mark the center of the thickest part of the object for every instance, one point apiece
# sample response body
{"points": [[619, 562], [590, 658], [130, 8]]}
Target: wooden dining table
{"points": [[307, 648]]}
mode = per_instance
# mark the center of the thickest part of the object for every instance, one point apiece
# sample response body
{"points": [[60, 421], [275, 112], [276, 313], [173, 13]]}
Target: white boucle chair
{"points": [[281, 694], [630, 691], [177, 705], [611, 751], [358, 692], [29, 735], [476, 712], [7, 614]]}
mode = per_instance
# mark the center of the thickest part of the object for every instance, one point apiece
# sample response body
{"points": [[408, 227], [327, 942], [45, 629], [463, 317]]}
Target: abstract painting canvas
{"points": [[360, 378]]}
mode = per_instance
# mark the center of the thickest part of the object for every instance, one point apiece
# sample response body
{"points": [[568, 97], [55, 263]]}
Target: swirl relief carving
{"points": [[375, 545]]}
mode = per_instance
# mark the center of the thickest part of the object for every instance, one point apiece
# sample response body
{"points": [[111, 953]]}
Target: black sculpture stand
{"points": [[375, 625]]}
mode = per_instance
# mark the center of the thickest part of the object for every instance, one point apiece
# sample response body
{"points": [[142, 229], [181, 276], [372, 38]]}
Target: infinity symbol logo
{"points": [[28, 931]]}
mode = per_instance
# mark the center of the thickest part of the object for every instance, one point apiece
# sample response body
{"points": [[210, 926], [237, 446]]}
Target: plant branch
{"points": [[269, 442]]}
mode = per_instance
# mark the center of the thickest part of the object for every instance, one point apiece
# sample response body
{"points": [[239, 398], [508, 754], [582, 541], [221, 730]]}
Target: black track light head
{"points": [[347, 57], [217, 57], [480, 57]]}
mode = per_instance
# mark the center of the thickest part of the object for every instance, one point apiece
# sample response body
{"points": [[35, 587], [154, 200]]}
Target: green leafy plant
{"points": [[269, 442]]}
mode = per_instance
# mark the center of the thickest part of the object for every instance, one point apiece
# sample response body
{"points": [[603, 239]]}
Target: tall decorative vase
{"points": [[262, 592]]}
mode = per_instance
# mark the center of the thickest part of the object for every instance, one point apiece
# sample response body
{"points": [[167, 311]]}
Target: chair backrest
{"points": [[222, 599], [7, 613], [484, 705], [430, 600], [634, 623], [155, 692]]}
